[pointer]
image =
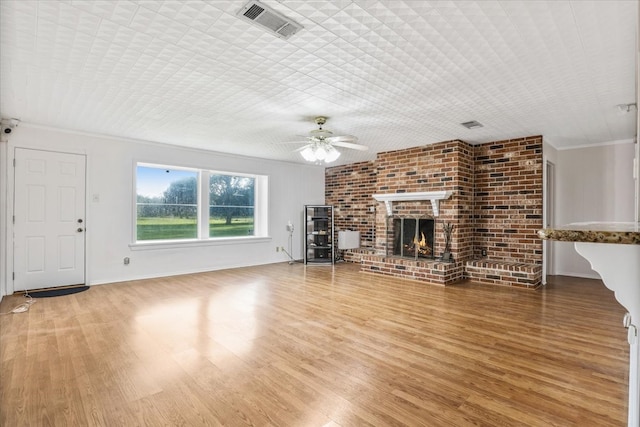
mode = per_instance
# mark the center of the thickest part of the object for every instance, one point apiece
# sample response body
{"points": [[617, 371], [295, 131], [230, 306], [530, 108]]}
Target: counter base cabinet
{"points": [[318, 238]]}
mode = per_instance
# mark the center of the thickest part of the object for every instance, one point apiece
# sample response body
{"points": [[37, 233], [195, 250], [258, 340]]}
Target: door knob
{"points": [[80, 230], [79, 220]]}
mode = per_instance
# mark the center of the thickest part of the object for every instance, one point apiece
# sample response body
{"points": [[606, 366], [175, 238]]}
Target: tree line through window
{"points": [[169, 207]]}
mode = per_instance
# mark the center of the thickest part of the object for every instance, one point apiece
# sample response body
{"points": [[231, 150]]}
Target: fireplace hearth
{"points": [[412, 237]]}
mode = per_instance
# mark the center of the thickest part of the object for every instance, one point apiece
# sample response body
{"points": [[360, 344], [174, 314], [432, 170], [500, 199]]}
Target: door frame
{"points": [[10, 208], [548, 216], [636, 176]]}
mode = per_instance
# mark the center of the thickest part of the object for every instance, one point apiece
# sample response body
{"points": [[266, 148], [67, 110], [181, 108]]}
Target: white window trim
{"points": [[171, 244]]}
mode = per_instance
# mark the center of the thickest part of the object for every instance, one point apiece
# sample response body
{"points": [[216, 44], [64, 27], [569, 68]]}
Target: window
{"points": [[231, 210], [175, 203], [167, 203]]}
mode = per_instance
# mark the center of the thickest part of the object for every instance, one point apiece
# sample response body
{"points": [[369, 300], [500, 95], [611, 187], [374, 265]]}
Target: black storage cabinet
{"points": [[318, 238]]}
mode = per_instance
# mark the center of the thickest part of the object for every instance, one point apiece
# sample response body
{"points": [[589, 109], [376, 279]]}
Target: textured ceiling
{"points": [[394, 73]]}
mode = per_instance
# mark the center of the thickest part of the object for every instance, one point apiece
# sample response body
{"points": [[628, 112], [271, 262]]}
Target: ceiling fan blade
{"points": [[294, 142], [302, 148], [350, 145], [342, 138]]}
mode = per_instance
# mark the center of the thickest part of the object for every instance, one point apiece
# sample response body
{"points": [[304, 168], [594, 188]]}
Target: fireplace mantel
{"points": [[433, 196]]}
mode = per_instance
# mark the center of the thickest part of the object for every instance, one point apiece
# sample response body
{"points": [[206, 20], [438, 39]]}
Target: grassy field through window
{"points": [[159, 228]]}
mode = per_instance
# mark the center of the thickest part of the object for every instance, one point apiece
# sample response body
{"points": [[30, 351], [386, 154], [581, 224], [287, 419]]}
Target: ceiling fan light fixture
{"points": [[321, 144], [308, 154], [319, 152], [332, 155]]}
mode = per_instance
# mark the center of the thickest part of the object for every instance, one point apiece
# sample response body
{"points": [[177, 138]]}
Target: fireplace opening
{"points": [[413, 237]]}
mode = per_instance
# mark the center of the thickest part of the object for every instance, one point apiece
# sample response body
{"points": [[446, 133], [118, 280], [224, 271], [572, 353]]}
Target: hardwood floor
{"points": [[286, 345]]}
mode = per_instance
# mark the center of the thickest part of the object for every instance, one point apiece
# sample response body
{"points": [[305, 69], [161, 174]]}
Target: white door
{"points": [[49, 228]]}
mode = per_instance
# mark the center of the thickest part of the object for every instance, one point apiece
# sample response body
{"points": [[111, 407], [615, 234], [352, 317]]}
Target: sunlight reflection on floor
{"points": [[203, 323]]}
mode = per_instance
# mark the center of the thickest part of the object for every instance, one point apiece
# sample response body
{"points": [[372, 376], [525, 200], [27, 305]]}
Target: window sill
{"points": [[164, 244]]}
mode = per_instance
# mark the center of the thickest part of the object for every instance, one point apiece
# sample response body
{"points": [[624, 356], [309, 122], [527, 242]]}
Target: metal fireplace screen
{"points": [[413, 237]]}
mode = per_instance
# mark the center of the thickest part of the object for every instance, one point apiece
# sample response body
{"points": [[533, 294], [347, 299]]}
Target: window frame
{"points": [[260, 210]]}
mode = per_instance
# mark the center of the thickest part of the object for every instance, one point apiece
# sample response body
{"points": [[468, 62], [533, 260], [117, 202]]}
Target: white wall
{"points": [[110, 167], [593, 184]]}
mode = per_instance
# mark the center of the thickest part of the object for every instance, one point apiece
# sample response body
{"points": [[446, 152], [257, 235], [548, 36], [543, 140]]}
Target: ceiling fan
{"points": [[321, 143]]}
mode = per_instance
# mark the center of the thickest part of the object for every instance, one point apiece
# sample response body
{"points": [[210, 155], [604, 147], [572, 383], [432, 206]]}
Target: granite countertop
{"points": [[627, 233]]}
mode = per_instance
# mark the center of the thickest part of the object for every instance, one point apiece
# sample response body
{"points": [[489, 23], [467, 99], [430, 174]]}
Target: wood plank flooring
{"points": [[289, 345]]}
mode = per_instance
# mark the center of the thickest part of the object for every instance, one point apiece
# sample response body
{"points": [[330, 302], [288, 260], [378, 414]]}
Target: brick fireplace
{"points": [[495, 207]]}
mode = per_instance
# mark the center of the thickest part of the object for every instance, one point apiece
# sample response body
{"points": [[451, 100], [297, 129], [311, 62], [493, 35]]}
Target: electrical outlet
{"points": [[484, 252], [277, 248], [126, 261]]}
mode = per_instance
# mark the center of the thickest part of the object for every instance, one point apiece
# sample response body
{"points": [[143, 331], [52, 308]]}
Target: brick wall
{"points": [[496, 205], [508, 199], [349, 189]]}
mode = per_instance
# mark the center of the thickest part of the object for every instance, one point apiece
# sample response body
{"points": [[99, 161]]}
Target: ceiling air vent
{"points": [[472, 124], [267, 18]]}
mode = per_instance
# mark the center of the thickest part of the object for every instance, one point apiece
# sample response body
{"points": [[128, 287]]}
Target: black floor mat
{"points": [[58, 292]]}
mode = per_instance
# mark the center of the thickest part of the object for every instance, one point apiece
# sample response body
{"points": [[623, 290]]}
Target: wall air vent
{"points": [[269, 19]]}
